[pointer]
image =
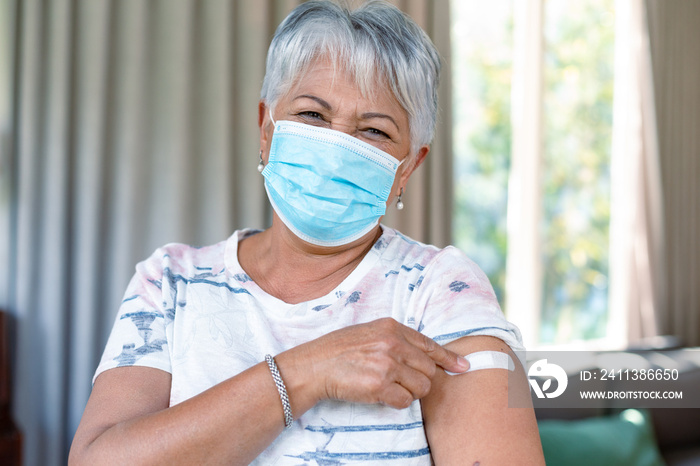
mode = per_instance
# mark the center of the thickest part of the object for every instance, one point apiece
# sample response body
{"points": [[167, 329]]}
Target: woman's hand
{"points": [[378, 362]]}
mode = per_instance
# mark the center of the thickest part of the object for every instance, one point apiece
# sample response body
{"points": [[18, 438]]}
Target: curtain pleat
{"points": [[134, 125], [121, 243], [438, 188], [674, 36], [637, 259], [87, 194], [42, 220]]}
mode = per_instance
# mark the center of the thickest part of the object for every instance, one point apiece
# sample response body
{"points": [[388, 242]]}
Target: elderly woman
{"points": [[368, 328]]}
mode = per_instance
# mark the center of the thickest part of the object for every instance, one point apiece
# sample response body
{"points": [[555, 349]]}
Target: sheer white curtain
{"points": [[524, 261], [127, 124], [637, 259]]}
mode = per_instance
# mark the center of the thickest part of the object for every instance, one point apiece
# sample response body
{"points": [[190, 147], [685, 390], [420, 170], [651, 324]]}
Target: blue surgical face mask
{"points": [[328, 187]]}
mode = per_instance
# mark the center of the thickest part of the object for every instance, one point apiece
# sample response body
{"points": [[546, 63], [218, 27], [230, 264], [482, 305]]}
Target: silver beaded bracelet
{"points": [[286, 407]]}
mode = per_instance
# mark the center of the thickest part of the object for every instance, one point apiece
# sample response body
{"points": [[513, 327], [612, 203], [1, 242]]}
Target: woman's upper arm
{"points": [[118, 395], [468, 419]]}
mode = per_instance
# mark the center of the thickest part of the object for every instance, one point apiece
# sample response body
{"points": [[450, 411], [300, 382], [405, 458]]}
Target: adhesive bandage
{"points": [[487, 360]]}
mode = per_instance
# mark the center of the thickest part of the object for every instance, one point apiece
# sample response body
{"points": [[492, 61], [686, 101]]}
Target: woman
{"points": [[354, 313]]}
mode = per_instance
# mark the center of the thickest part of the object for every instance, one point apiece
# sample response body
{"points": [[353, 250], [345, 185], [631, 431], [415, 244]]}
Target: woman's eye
{"points": [[377, 132], [310, 114]]}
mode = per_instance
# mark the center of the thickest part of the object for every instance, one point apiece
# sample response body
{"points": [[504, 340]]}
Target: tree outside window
{"points": [[577, 130]]}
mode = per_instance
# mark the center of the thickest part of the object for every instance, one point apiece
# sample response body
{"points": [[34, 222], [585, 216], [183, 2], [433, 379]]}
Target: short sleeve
{"points": [[138, 337], [458, 300]]}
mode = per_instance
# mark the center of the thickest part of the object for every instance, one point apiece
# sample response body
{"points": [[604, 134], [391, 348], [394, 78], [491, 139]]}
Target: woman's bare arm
{"points": [[127, 419], [467, 417]]}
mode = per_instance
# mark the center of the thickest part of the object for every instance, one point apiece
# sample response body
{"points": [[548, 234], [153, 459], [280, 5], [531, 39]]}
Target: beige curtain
{"points": [[674, 37], [637, 258], [127, 124]]}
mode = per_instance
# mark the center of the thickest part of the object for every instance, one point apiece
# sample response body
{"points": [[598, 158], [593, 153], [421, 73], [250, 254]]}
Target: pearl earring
{"points": [[399, 202], [261, 165]]}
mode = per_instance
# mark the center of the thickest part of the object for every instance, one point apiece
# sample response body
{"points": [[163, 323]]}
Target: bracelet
{"points": [[286, 407]]}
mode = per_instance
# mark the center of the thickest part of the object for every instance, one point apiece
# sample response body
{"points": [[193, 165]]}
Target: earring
{"points": [[399, 202], [261, 165]]}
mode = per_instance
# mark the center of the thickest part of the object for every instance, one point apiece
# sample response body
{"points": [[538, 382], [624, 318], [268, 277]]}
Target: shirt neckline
{"points": [[273, 303]]}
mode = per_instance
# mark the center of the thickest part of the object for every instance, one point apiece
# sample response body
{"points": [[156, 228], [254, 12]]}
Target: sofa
{"points": [[604, 432]]}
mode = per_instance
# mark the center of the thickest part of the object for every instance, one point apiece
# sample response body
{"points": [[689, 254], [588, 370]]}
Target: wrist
{"points": [[281, 390], [302, 389]]}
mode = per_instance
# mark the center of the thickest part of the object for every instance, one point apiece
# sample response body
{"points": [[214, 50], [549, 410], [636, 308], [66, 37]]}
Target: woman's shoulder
{"points": [[188, 260], [410, 250], [399, 245]]}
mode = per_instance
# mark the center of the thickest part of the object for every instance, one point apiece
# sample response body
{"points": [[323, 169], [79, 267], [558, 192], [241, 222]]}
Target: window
{"points": [[548, 66]]}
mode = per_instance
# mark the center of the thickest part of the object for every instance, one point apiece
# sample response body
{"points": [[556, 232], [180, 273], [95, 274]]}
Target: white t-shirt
{"points": [[196, 314]]}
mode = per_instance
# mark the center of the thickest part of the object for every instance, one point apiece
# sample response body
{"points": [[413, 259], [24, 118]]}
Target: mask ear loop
{"points": [[261, 165]]}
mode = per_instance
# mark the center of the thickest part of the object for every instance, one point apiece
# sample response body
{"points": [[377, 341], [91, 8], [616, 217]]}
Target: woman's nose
{"points": [[344, 126]]}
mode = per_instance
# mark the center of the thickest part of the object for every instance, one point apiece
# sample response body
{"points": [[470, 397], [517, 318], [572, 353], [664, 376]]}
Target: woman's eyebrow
{"points": [[318, 100]]}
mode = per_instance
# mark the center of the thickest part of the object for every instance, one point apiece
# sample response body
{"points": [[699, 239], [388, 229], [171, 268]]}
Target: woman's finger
{"points": [[370, 362], [444, 358], [396, 396], [415, 382]]}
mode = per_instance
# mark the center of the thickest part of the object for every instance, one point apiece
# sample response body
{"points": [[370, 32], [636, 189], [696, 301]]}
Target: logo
{"points": [[541, 369]]}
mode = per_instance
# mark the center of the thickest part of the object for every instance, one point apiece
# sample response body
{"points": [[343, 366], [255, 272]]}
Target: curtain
{"points": [[637, 257], [131, 124], [674, 36]]}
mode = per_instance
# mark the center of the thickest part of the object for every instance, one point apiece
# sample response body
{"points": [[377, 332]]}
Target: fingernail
{"points": [[463, 363]]}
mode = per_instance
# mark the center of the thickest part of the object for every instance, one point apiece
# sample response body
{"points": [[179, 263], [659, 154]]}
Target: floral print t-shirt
{"points": [[196, 314]]}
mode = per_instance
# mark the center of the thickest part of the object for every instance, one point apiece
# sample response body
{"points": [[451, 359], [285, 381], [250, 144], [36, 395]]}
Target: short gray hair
{"points": [[376, 40]]}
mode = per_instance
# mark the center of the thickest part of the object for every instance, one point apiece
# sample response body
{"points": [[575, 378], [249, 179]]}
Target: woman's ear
{"points": [[413, 164], [263, 116]]}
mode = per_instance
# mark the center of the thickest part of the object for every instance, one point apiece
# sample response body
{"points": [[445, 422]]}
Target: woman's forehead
{"points": [[327, 77]]}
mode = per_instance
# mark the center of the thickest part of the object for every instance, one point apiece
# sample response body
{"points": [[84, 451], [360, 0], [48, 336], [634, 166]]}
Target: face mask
{"points": [[328, 187]]}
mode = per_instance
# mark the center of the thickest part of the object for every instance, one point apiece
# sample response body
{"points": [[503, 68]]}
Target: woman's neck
{"points": [[295, 271]]}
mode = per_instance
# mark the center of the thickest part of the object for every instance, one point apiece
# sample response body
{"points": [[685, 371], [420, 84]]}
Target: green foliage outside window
{"points": [[578, 89], [579, 38], [482, 59]]}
